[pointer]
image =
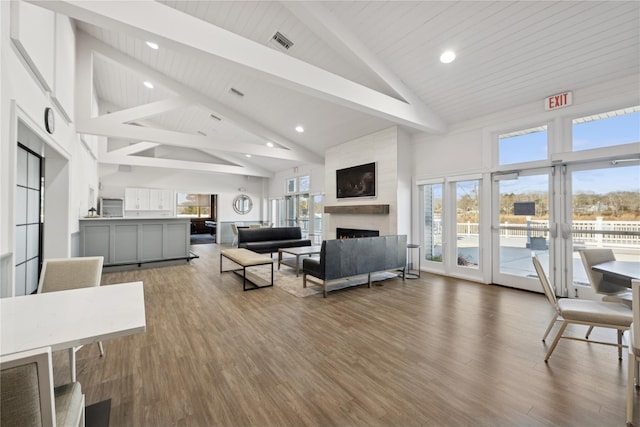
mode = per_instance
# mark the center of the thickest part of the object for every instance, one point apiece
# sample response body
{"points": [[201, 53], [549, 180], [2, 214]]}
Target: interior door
{"points": [[523, 208]]}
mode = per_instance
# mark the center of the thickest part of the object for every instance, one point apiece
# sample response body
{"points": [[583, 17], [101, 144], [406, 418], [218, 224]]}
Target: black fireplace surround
{"points": [[352, 233]]}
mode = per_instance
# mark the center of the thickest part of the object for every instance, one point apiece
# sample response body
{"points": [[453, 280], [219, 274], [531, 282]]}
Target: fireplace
{"points": [[350, 233]]}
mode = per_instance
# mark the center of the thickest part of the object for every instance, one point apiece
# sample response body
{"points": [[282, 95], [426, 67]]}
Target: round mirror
{"points": [[242, 204]]}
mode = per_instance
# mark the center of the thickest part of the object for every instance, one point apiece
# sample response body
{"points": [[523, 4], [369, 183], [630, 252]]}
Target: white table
{"points": [[619, 272], [67, 319]]}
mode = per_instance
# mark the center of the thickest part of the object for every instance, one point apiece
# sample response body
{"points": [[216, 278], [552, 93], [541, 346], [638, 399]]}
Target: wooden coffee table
{"points": [[297, 252]]}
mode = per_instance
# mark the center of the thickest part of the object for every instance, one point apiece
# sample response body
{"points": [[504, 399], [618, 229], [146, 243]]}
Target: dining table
{"points": [[619, 272], [66, 319]]}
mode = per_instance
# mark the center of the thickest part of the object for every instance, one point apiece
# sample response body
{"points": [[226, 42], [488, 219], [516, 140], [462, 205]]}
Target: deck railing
{"points": [[592, 232]]}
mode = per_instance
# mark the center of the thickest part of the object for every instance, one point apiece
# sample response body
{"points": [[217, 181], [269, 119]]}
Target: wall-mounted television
{"points": [[356, 181]]}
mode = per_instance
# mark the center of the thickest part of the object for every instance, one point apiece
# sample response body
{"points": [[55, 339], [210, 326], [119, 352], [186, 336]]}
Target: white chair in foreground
{"points": [[611, 292], [27, 396], [583, 312], [61, 274], [633, 377]]}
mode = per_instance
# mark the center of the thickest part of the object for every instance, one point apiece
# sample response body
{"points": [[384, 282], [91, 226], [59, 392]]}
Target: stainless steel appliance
{"points": [[111, 208]]}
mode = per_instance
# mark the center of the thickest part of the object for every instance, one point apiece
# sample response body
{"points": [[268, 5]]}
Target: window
{"points": [[523, 146], [433, 222], [28, 209], [300, 184], [468, 223], [304, 183], [194, 205], [607, 129]]}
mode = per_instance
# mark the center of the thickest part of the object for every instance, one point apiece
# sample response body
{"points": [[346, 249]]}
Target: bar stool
{"points": [[408, 274]]}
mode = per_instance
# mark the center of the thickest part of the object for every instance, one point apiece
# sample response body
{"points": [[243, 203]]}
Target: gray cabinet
{"points": [[133, 241]]}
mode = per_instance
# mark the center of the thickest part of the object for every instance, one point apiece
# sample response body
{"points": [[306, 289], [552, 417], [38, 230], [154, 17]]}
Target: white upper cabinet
{"points": [[161, 200], [148, 199]]}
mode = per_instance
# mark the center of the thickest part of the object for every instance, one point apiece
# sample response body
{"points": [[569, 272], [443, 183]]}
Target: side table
{"points": [[408, 274]]}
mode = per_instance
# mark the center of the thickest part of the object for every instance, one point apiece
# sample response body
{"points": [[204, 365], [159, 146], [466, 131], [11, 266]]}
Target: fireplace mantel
{"points": [[358, 209]]}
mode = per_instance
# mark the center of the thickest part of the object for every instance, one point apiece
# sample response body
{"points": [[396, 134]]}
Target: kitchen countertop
{"points": [[136, 218]]}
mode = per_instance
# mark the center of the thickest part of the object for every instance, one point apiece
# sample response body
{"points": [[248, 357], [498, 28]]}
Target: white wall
{"points": [[466, 148], [404, 206], [276, 185], [113, 183], [27, 86], [380, 147]]}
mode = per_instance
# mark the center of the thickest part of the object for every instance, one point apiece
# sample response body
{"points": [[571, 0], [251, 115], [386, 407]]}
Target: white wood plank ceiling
{"points": [[355, 67]]}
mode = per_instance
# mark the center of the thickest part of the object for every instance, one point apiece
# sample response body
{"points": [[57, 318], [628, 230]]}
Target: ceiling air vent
{"points": [[235, 91], [282, 40]]}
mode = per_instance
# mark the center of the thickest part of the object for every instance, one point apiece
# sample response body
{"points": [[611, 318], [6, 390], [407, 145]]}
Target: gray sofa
{"points": [[269, 240], [353, 257]]}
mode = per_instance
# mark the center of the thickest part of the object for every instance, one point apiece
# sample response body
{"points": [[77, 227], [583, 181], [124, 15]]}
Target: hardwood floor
{"points": [[434, 351]]}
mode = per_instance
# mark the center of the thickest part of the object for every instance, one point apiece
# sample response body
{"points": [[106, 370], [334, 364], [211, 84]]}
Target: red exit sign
{"points": [[560, 100]]}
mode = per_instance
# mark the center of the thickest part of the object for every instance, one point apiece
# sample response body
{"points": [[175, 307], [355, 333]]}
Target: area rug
{"points": [[286, 280]]}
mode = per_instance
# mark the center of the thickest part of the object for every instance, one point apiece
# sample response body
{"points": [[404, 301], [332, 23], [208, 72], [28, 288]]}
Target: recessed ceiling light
{"points": [[447, 56], [148, 84], [270, 144], [299, 129], [247, 155], [153, 45]]}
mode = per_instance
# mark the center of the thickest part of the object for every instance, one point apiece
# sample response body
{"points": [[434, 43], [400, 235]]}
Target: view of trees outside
{"points": [[468, 221], [194, 205]]}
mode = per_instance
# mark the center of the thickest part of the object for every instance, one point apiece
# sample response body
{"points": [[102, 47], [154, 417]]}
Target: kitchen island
{"points": [[131, 242]]}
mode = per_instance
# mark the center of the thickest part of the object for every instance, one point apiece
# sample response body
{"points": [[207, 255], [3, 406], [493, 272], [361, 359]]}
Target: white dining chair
{"points": [[234, 230], [633, 371], [27, 395], [591, 257], [610, 292], [603, 314], [61, 274]]}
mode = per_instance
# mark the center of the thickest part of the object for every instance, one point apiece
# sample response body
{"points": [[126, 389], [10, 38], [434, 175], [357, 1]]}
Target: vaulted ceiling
{"points": [[224, 88]]}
